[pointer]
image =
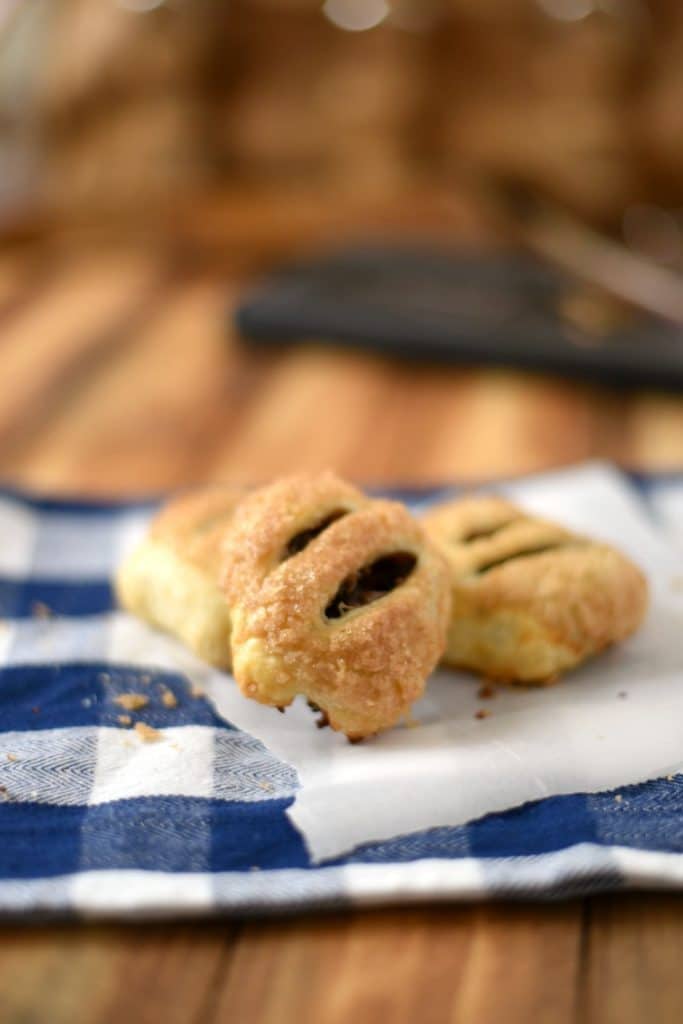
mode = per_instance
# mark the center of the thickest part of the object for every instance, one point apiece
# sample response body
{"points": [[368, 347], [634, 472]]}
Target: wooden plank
{"points": [[476, 424], [633, 956], [12, 273], [207, 407], [320, 407], [483, 964], [46, 352], [315, 410], [657, 431], [107, 975], [146, 418]]}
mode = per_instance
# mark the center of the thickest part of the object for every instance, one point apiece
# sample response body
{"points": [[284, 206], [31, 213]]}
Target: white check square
{"points": [[179, 762]]}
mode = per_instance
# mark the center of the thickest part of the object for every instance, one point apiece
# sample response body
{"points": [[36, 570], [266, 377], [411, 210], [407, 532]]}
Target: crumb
{"points": [[124, 719], [482, 713], [618, 798], [146, 733], [169, 699], [622, 694], [196, 691], [131, 701], [39, 610], [669, 778], [12, 757], [486, 692], [265, 785]]}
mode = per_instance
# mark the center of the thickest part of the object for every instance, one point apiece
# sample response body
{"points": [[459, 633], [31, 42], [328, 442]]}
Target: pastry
{"points": [[530, 599], [171, 578], [334, 596]]}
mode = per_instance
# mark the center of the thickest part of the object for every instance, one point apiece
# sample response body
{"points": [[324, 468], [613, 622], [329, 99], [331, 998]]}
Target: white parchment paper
{"points": [[617, 720]]}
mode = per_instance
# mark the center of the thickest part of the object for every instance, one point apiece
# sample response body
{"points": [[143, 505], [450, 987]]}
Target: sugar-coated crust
{"points": [[171, 578], [363, 669], [533, 617]]}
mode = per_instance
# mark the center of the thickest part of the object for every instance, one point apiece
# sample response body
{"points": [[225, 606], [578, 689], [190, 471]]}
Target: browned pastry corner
{"points": [[529, 598], [334, 596], [171, 579]]}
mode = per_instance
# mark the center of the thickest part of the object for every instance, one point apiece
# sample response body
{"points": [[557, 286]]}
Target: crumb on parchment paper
{"points": [[487, 692], [147, 734], [482, 713], [131, 701], [12, 757]]}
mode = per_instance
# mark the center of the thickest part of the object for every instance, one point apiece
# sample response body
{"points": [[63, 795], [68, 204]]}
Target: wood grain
{"points": [[111, 974], [115, 385], [120, 376], [633, 957], [404, 966]]}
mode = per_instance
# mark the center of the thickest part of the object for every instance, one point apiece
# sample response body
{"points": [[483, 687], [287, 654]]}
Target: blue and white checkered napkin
{"points": [[96, 819]]}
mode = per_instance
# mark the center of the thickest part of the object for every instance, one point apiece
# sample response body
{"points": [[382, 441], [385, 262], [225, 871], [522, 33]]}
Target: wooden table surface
{"points": [[118, 377]]}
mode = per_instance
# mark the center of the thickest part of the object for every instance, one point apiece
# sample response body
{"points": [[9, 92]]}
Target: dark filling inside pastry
{"points": [[537, 549], [301, 540], [371, 582]]}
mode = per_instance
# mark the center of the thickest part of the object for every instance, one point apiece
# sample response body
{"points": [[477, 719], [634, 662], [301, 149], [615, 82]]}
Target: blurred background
{"points": [[114, 104], [155, 155]]}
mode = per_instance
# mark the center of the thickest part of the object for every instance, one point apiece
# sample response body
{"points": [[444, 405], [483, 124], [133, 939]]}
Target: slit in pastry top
{"points": [[302, 539], [485, 532], [524, 552], [371, 582]]}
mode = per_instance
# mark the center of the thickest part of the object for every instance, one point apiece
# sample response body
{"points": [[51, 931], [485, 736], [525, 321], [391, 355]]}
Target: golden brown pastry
{"points": [[529, 598], [334, 596], [171, 579]]}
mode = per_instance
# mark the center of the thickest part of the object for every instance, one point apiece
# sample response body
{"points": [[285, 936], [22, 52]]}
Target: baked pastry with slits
{"points": [[530, 599], [334, 596], [171, 579]]}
